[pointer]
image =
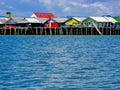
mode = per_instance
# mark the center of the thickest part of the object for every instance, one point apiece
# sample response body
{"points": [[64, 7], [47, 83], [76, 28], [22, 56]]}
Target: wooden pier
{"points": [[60, 31]]}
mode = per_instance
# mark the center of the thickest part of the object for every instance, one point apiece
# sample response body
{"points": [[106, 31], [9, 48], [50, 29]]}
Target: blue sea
{"points": [[59, 62]]}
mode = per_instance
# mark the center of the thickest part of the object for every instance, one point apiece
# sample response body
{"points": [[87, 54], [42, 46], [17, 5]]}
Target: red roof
{"points": [[44, 15]]}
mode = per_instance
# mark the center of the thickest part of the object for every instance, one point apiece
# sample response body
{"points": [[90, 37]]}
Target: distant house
{"points": [[22, 23], [17, 19], [98, 21], [51, 23], [11, 23], [60, 21], [42, 15], [32, 22], [42, 21], [74, 22], [112, 22], [29, 22], [2, 22]]}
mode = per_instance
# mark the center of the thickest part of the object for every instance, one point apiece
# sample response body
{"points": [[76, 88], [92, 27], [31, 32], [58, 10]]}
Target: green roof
{"points": [[117, 19]]}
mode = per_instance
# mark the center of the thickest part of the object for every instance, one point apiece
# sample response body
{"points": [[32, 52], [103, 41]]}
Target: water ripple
{"points": [[59, 63]]}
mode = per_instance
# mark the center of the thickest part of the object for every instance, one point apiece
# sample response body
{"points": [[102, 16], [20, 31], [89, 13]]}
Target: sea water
{"points": [[59, 62]]}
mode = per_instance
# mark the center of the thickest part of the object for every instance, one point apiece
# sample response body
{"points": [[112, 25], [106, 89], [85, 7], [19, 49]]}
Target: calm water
{"points": [[59, 62]]}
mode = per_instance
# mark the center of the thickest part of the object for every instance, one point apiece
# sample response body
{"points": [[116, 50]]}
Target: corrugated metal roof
{"points": [[23, 21], [79, 19], [112, 20], [18, 19], [60, 20], [42, 20], [3, 20], [32, 20], [99, 19]]}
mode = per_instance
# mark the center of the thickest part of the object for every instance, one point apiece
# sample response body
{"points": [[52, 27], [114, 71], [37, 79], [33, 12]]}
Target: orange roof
{"points": [[44, 15]]}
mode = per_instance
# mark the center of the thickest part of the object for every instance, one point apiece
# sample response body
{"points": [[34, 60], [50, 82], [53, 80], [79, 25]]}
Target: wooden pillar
{"points": [[90, 32], [71, 29], [54, 31], [4, 30], [26, 31], [97, 29], [36, 31], [115, 31], [45, 31], [60, 31], [86, 31], [81, 29], [107, 29], [10, 31], [103, 28], [15, 31], [118, 31], [40, 30], [110, 29], [66, 31], [77, 31]]}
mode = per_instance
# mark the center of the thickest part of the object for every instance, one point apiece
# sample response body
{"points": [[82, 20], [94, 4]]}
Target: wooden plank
{"points": [[97, 28]]}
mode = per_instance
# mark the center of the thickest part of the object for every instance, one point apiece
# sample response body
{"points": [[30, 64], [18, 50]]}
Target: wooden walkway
{"points": [[61, 31]]}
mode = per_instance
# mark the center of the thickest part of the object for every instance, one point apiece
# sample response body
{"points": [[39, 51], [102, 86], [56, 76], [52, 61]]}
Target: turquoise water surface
{"points": [[59, 62]]}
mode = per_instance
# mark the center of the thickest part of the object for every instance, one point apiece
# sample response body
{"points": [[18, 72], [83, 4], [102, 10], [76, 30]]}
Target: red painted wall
{"points": [[51, 25]]}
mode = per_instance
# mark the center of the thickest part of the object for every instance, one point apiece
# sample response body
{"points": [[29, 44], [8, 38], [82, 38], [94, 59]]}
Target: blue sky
{"points": [[61, 7]]}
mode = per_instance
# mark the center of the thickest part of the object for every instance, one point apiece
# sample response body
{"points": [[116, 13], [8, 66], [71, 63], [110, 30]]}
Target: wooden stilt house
{"points": [[10, 24], [51, 23], [98, 21], [61, 21], [74, 22]]}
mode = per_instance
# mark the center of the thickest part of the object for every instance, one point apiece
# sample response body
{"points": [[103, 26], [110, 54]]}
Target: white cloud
{"points": [[10, 7], [73, 5], [66, 9], [46, 2], [98, 5], [2, 3], [66, 5], [2, 12], [101, 7]]}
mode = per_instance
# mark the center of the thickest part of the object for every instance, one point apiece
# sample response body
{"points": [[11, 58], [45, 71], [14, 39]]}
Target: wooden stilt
{"points": [[96, 28], [15, 31], [55, 32], [10, 31], [4, 30]]}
